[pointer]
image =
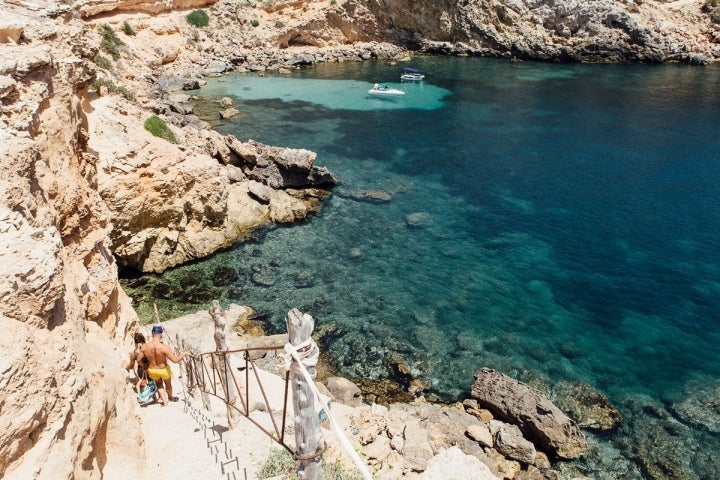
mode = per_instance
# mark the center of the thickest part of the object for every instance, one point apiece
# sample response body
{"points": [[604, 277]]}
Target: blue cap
{"points": [[157, 329]]}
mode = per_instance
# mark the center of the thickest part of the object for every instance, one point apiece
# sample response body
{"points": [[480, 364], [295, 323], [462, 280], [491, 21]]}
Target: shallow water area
{"points": [[554, 222], [342, 94]]}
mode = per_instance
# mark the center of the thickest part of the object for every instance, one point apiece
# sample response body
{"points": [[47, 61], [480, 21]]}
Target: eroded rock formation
{"points": [[539, 420], [562, 30], [63, 315], [174, 202]]}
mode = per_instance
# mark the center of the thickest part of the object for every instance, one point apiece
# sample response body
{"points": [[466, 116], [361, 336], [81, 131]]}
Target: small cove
{"points": [[554, 222]]}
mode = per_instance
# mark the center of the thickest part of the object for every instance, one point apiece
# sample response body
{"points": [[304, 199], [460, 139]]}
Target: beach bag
{"points": [[147, 394]]}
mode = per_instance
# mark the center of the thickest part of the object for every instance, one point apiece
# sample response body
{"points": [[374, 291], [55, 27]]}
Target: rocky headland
{"points": [[86, 186]]}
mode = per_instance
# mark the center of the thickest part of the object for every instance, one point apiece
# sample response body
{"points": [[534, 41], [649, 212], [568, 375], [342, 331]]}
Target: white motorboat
{"points": [[385, 90], [412, 75]]}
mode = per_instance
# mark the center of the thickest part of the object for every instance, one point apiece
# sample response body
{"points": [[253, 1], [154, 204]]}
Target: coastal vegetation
{"points": [[102, 62], [110, 43], [128, 30], [111, 87], [712, 8], [198, 18], [280, 464], [159, 128]]}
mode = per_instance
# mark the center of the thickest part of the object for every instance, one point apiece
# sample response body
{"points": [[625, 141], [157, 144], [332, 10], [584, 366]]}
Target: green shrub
{"points": [[336, 471], [112, 88], [128, 29], [280, 463], [198, 18], [254, 22], [159, 128], [279, 24], [109, 41], [102, 62]]}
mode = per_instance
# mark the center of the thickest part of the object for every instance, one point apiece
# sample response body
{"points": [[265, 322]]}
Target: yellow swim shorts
{"points": [[158, 373]]}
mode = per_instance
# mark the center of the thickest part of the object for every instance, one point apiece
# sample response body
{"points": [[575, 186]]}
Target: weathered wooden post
{"points": [[226, 375], [308, 438]]}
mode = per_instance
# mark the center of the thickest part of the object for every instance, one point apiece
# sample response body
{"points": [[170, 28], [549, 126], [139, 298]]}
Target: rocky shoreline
{"points": [[504, 430], [87, 187]]}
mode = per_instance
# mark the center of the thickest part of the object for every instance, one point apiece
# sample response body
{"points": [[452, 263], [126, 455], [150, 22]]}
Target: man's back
{"points": [[156, 353]]}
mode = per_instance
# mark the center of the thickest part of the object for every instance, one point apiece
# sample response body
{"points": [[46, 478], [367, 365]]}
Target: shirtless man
{"points": [[159, 370]]}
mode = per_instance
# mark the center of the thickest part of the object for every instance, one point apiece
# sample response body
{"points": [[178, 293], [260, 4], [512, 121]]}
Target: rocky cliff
{"points": [[556, 30], [83, 183], [62, 314]]}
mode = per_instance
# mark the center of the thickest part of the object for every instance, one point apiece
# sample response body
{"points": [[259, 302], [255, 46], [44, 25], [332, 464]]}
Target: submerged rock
{"points": [[418, 219], [263, 276], [701, 407], [371, 196], [662, 446], [229, 112], [224, 276], [586, 406]]}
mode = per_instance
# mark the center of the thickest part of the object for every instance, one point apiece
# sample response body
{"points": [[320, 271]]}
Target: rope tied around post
{"points": [[306, 352]]}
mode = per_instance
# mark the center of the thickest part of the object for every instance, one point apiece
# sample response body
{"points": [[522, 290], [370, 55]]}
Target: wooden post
{"points": [[308, 438], [226, 374]]}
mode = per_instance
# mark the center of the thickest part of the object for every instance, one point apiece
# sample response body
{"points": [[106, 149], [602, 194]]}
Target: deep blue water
{"points": [[567, 226]]}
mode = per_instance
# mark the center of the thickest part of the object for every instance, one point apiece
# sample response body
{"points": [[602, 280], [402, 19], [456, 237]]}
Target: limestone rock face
{"points": [[538, 419], [31, 282], [562, 30], [65, 405], [90, 8], [171, 203]]}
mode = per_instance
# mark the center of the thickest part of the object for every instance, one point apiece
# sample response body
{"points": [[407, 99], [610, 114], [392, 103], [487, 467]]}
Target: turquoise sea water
{"points": [[554, 222]]}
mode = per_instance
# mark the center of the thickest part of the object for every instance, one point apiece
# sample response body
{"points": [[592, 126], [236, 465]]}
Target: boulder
{"points": [[234, 174], [481, 434], [229, 112], [259, 192], [510, 442], [246, 152], [282, 168], [215, 67], [452, 464], [344, 391], [416, 449], [539, 420], [418, 219], [176, 81]]}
